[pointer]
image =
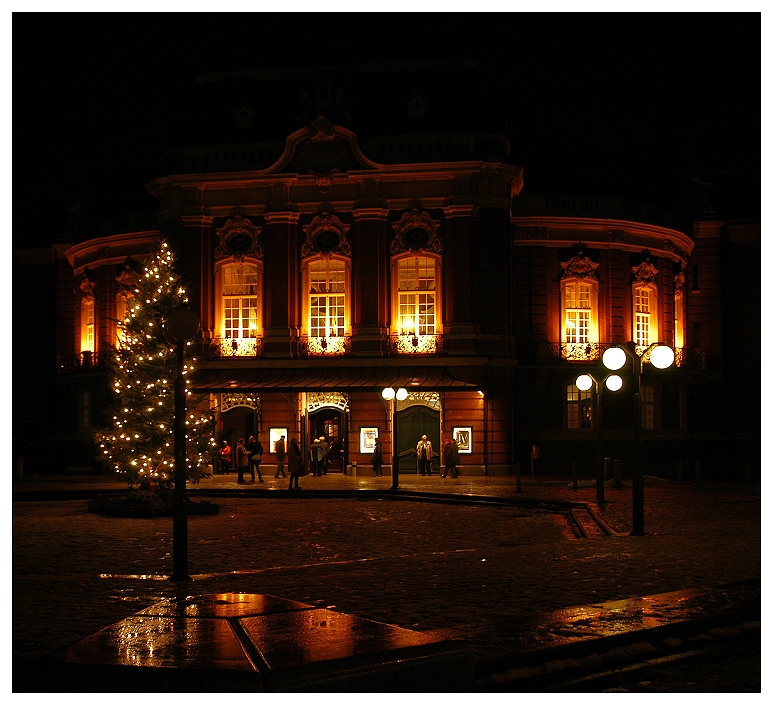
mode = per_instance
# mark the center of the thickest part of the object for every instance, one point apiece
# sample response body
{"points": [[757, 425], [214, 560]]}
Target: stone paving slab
{"points": [[254, 643]]}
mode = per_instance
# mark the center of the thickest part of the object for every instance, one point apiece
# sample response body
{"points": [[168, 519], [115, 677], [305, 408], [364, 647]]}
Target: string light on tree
{"points": [[139, 442]]}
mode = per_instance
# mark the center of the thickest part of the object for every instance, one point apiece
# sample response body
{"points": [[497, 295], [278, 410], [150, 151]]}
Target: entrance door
{"points": [[330, 423], [239, 422], [413, 423]]}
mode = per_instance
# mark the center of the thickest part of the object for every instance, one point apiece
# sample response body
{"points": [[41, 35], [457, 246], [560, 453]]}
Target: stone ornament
{"points": [[416, 232], [326, 235], [238, 238], [580, 267]]}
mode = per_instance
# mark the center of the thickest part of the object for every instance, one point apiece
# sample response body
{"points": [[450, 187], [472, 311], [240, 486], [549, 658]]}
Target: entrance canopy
{"points": [[374, 377]]}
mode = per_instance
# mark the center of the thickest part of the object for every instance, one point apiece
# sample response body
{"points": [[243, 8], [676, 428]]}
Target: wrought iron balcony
{"points": [[416, 344], [82, 362], [332, 346], [216, 348], [578, 351]]}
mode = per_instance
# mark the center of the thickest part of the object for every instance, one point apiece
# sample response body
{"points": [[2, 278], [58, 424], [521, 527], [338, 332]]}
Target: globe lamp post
{"points": [[390, 395], [661, 356]]}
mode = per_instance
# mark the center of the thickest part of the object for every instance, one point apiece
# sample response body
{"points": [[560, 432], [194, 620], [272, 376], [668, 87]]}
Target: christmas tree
{"points": [[140, 443]]}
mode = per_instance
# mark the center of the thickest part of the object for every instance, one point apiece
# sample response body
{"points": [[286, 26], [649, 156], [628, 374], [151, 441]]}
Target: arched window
{"points": [[645, 305], [326, 303], [88, 325], [238, 306], [417, 292], [679, 322], [579, 309]]}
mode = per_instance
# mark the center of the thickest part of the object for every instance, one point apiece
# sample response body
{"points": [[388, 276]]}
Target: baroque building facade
{"points": [[328, 276]]}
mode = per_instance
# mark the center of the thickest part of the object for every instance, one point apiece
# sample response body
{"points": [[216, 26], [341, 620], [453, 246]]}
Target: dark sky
{"points": [[606, 100]]}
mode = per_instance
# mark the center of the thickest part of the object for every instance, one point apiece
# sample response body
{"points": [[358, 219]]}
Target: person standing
{"points": [[256, 455], [242, 460], [294, 462], [325, 448], [451, 458], [280, 457], [316, 457], [377, 458], [424, 454], [225, 458]]}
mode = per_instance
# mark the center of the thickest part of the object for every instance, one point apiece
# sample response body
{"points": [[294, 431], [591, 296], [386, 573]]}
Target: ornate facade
{"points": [[328, 276]]}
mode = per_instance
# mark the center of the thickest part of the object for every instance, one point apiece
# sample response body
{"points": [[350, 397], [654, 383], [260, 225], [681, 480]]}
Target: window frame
{"points": [[307, 294], [651, 290], [397, 292], [88, 341], [584, 400], [220, 297]]}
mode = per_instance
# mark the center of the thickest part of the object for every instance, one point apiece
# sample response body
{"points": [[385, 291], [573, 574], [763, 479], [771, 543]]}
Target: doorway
{"points": [[330, 422], [411, 424], [238, 422]]}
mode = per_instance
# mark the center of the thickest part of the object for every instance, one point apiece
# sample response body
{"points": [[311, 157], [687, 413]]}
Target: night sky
{"points": [[623, 104]]}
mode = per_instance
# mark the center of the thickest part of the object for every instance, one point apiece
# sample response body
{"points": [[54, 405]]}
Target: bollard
{"points": [[680, 476], [574, 475], [607, 468], [698, 473], [617, 474], [518, 477]]}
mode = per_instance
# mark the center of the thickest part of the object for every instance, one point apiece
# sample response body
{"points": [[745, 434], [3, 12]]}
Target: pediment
{"points": [[322, 149]]}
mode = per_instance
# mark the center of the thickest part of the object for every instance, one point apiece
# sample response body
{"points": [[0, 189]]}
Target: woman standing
{"points": [[242, 459], [377, 458], [294, 462]]}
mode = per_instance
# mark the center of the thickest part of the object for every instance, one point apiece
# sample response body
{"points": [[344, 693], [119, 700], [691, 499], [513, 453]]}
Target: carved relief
{"points": [[430, 399], [87, 285], [668, 245], [531, 232], [616, 235], [580, 267], [321, 129], [229, 401], [416, 231], [645, 273], [316, 400], [679, 285], [127, 281], [238, 238], [324, 181], [326, 234]]}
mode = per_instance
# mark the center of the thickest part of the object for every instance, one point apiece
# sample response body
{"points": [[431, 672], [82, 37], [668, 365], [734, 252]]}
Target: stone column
{"points": [[281, 304], [370, 282], [458, 327]]}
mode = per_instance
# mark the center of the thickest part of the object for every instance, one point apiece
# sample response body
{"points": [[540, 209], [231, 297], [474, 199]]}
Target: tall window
{"points": [[88, 325], [240, 301], [643, 311], [416, 314], [578, 312], [121, 314], [327, 298], [679, 321], [579, 408]]}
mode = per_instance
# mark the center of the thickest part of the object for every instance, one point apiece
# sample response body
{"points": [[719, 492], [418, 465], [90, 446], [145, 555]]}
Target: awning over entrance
{"points": [[352, 378]]}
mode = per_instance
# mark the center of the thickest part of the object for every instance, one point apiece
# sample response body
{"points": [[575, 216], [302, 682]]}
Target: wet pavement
{"points": [[512, 581]]}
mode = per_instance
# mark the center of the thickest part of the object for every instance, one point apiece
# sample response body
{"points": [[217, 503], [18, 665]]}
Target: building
{"points": [[325, 272]]}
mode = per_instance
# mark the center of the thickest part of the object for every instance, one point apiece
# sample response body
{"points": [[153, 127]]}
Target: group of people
{"points": [[250, 454], [424, 455]]}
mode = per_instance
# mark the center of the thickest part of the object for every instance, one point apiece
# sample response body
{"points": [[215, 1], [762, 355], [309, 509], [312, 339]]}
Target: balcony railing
{"points": [[333, 346], [578, 351], [82, 362], [415, 344], [216, 348]]}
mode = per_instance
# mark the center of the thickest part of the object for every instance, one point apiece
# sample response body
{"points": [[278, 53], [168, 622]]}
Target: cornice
{"points": [[112, 249]]}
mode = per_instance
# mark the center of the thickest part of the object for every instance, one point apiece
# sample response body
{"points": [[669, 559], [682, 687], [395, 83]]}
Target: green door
{"points": [[412, 423]]}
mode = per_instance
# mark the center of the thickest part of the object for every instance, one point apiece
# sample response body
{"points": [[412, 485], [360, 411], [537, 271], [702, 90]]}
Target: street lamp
{"points": [[612, 382], [662, 357], [182, 325], [390, 394]]}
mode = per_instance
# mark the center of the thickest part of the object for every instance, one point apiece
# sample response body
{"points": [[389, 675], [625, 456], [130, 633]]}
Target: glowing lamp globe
{"points": [[613, 358], [388, 393], [662, 357], [614, 383], [584, 382], [402, 394]]}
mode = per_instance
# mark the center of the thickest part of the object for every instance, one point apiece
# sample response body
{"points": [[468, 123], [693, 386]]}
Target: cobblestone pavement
{"points": [[420, 565]]}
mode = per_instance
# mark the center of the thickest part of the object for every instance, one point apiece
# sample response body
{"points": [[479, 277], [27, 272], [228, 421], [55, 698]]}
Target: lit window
{"points": [[679, 315], [327, 299], [577, 313], [642, 303], [87, 325], [645, 305], [579, 408], [239, 312], [416, 314]]}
